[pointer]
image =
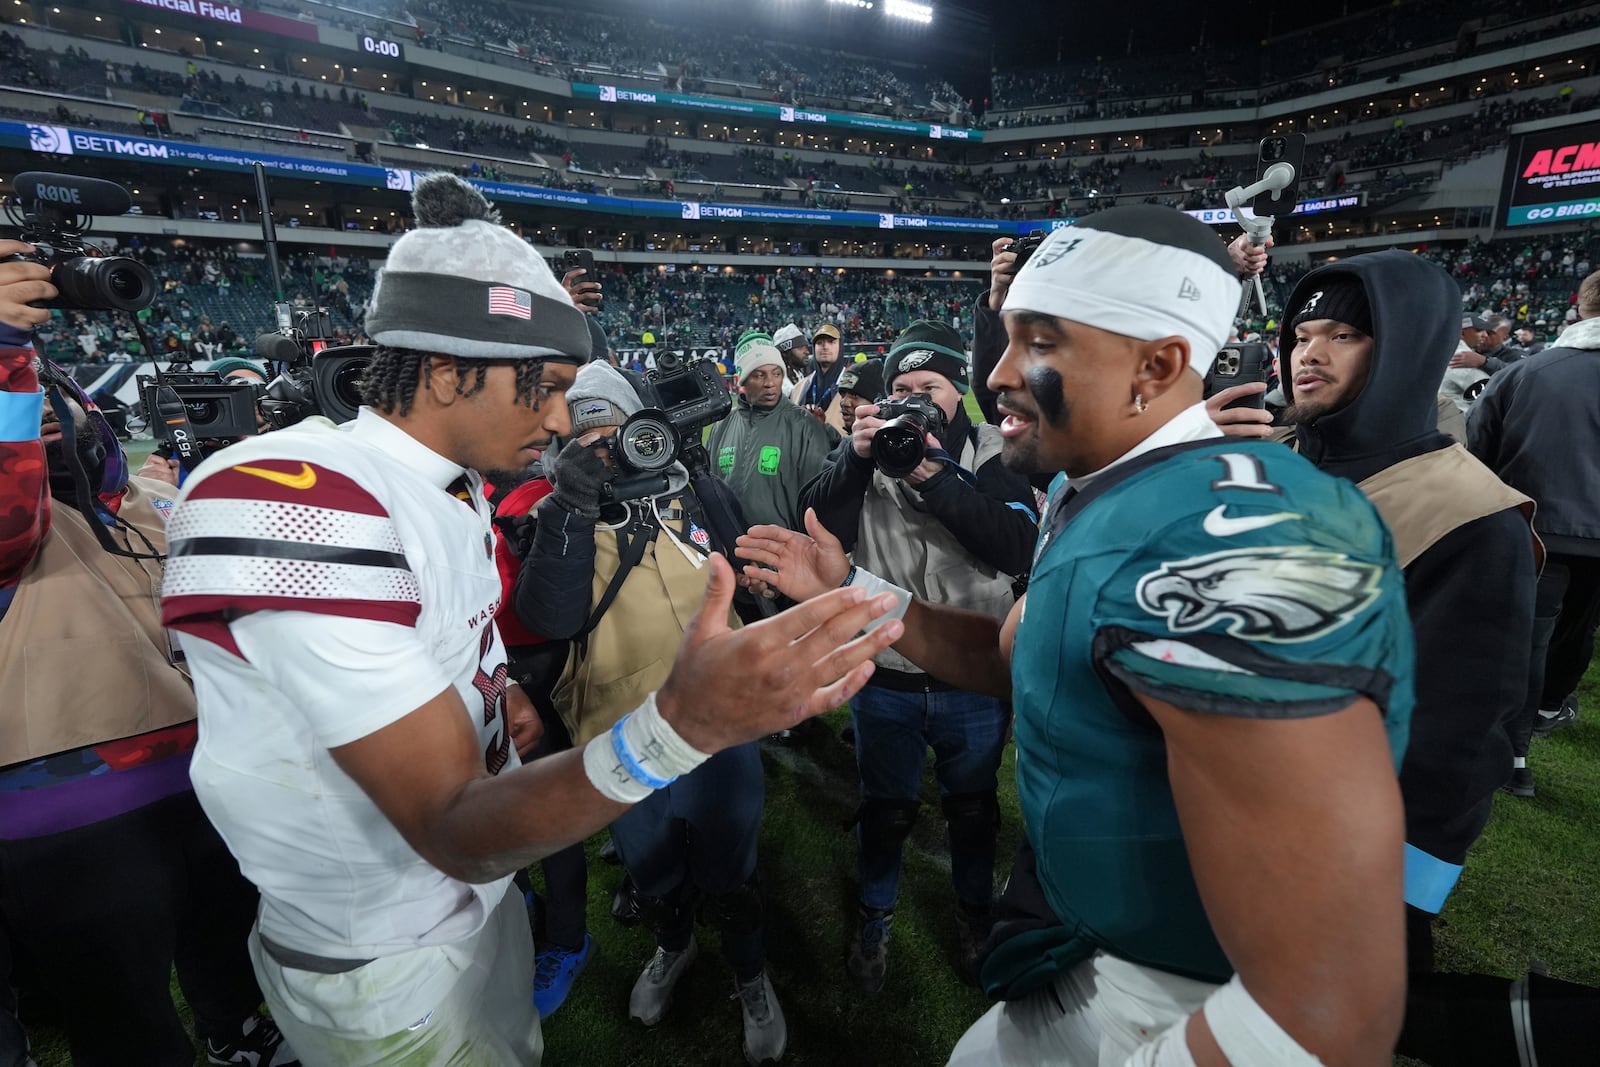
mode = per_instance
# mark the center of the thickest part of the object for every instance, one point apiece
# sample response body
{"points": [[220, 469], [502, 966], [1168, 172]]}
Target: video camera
{"points": [[690, 395], [900, 445], [317, 378], [53, 211], [211, 407]]}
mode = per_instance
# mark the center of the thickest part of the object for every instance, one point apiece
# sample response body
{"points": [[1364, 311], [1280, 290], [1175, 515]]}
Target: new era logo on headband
{"points": [[1189, 291], [504, 300]]}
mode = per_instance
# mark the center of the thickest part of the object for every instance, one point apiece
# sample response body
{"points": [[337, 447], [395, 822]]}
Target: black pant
{"points": [[1565, 616], [102, 913], [563, 920]]}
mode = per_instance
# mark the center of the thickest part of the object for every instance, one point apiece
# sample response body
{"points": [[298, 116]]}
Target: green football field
{"points": [[1528, 892]]}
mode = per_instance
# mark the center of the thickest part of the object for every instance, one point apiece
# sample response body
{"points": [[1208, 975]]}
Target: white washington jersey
{"points": [[328, 582]]}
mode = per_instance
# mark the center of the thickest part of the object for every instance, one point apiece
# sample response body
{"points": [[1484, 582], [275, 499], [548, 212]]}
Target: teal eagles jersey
{"points": [[1226, 577]]}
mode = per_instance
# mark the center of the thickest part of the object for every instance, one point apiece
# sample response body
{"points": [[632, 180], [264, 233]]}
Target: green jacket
{"points": [[767, 457]]}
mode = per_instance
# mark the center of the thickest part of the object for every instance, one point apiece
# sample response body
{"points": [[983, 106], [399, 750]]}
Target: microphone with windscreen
{"points": [[72, 194]]}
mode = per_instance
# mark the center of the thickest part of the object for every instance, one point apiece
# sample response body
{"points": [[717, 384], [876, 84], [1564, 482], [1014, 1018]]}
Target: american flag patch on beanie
{"points": [[504, 300]]}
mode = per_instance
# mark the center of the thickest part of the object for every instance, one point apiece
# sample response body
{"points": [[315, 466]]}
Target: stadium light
{"points": [[908, 9], [863, 4]]}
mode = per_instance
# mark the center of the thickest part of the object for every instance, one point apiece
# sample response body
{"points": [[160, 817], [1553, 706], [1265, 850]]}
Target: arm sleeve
{"points": [[24, 478], [993, 520], [988, 345], [556, 583], [838, 492], [1288, 620], [348, 677], [1496, 364], [284, 535]]}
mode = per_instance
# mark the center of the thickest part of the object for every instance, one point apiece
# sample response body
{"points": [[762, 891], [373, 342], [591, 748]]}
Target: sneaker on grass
{"points": [[868, 961], [766, 1032], [554, 971], [257, 1044], [652, 993]]}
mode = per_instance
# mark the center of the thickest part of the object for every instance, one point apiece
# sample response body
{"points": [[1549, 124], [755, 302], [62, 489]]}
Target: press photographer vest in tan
{"points": [[1425, 497], [902, 543], [631, 650], [82, 650]]}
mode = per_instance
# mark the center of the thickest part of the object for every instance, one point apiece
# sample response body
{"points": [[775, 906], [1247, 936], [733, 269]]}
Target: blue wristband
{"points": [[20, 415], [630, 762], [848, 578]]}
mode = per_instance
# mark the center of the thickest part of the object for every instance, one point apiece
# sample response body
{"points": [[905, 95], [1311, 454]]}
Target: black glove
{"points": [[580, 472]]}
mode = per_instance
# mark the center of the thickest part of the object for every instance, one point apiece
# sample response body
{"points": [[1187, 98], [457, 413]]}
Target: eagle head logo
{"points": [[1283, 594]]}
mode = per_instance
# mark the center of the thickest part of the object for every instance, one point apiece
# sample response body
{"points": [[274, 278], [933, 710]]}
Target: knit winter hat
{"points": [[600, 396], [928, 345], [228, 364], [462, 284], [753, 351], [1343, 298], [863, 379], [788, 336]]}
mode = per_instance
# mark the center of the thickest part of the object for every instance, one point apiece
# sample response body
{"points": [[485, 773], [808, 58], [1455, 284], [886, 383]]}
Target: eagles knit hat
{"points": [[228, 364], [1342, 298], [1143, 271], [461, 284], [754, 351], [863, 379], [928, 345], [600, 396], [787, 337]]}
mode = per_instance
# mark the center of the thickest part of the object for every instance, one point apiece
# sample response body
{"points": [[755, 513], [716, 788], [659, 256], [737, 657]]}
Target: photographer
{"points": [[336, 591], [622, 581], [109, 872], [957, 530]]}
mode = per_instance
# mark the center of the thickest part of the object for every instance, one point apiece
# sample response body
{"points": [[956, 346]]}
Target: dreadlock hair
{"points": [[390, 381]]}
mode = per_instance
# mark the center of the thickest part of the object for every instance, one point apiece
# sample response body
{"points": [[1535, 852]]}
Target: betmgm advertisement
{"points": [[1552, 176]]}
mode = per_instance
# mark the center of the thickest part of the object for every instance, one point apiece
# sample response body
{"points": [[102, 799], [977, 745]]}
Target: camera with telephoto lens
{"points": [[900, 444], [1024, 246], [53, 211], [690, 395]]}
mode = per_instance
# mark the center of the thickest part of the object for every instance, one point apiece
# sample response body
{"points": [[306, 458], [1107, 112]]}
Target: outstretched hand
{"points": [[732, 686], [798, 566]]}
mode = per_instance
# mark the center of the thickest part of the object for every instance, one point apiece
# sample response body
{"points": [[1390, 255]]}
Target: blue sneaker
{"points": [[554, 971]]}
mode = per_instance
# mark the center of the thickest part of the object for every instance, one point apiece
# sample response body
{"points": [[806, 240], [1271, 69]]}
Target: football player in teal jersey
{"points": [[1212, 677]]}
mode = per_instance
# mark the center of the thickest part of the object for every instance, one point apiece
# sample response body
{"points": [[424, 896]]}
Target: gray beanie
{"points": [[461, 284], [600, 396]]}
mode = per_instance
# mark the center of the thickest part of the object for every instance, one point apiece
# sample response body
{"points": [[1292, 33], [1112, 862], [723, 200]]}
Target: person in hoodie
{"points": [[1367, 342], [767, 449], [1537, 426], [621, 580], [958, 530]]}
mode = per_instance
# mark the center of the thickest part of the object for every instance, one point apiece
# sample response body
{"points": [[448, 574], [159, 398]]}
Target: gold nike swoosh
{"points": [[304, 480]]}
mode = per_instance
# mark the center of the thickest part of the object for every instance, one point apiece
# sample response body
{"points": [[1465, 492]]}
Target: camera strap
{"points": [[86, 495], [632, 540], [174, 415]]}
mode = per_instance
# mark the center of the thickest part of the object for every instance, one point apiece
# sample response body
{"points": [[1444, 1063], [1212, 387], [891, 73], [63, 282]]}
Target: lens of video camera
{"points": [[898, 446], [647, 443], [202, 412], [346, 382], [103, 283]]}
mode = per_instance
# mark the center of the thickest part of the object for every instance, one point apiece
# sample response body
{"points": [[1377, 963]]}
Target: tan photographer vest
{"points": [[82, 649]]}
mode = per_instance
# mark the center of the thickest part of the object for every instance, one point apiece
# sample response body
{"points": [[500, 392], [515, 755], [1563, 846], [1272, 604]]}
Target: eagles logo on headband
{"points": [[1143, 271]]}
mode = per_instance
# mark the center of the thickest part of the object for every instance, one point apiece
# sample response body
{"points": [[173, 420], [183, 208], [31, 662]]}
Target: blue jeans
{"points": [[894, 730], [697, 837]]}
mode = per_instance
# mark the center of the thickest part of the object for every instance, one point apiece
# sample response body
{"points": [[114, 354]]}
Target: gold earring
{"points": [[1139, 405]]}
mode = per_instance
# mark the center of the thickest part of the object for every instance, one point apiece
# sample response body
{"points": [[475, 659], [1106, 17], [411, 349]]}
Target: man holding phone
{"points": [[579, 279]]}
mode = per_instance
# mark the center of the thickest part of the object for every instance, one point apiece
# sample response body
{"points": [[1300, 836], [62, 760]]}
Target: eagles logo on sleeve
{"points": [[1276, 594]]}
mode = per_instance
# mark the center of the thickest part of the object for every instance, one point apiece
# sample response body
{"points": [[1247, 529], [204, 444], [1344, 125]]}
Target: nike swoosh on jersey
{"points": [[1218, 524], [304, 480]]}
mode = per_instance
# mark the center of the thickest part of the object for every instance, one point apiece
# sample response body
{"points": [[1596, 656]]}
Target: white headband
{"points": [[1128, 285]]}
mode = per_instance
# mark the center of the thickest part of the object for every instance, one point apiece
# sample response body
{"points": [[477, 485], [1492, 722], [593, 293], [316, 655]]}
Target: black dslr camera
{"points": [[690, 395], [53, 211], [1024, 246], [900, 444]]}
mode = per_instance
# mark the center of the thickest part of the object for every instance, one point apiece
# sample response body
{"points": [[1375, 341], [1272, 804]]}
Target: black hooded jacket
{"points": [[1480, 576]]}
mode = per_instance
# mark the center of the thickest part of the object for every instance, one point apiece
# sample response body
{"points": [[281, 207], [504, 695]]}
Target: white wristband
{"points": [[637, 756], [865, 579]]}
